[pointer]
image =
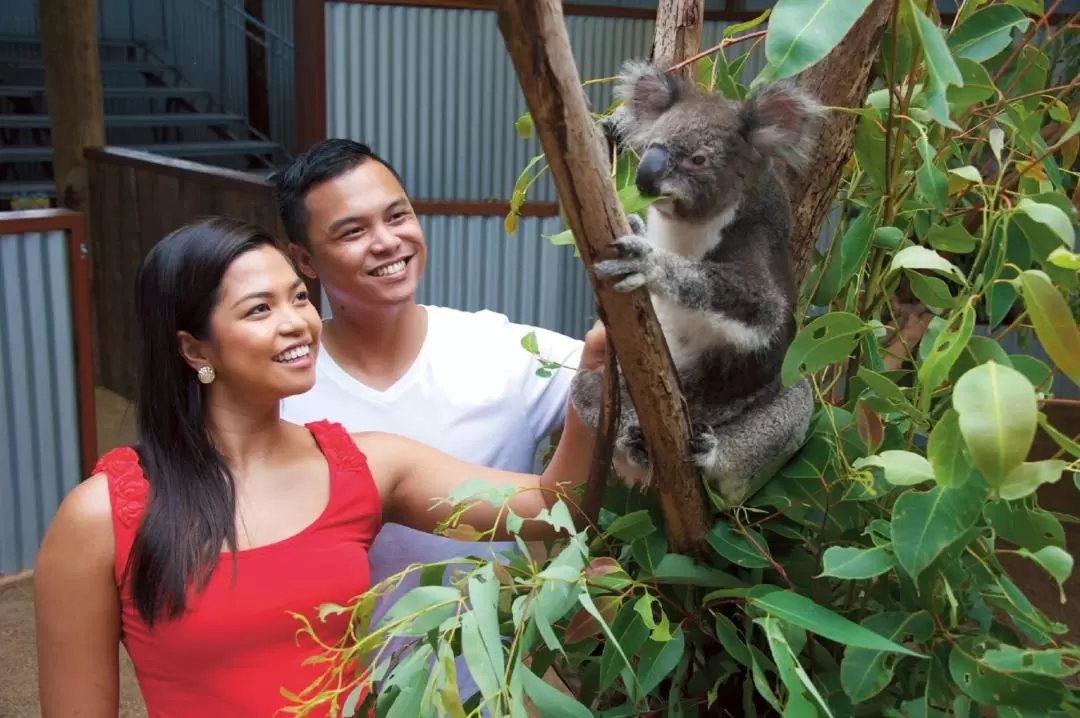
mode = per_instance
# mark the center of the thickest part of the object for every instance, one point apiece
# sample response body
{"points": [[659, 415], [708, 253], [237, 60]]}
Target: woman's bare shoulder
{"points": [[84, 519]]}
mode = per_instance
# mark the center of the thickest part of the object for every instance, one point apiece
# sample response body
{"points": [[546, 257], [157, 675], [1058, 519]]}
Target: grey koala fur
{"points": [[715, 257]]}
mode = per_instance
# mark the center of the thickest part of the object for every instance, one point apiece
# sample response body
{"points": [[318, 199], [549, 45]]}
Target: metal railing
{"points": [[208, 43]]}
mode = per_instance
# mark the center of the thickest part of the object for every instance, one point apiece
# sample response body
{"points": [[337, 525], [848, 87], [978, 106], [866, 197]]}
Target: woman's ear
{"points": [[195, 352]]}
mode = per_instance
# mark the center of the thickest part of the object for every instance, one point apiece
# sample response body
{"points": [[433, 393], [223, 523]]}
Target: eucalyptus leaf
{"points": [[632, 526], [802, 611], [802, 32], [967, 172], [917, 257], [1052, 217], [560, 239], [737, 547], [729, 638], [947, 453], [931, 291], [948, 345], [997, 416], [991, 686], [1060, 663], [864, 673], [902, 468], [1026, 478], [977, 87], [925, 523], [933, 184], [940, 65], [1020, 523], [1059, 438], [792, 673], [987, 32], [420, 610], [823, 341], [1053, 322], [1065, 259], [548, 699], [952, 238], [676, 568], [657, 659], [1055, 560], [850, 563]]}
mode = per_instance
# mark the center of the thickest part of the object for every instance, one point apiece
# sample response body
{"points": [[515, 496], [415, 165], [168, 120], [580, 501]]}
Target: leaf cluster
{"points": [[865, 578]]}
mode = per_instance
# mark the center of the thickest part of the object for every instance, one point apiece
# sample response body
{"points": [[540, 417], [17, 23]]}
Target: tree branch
{"points": [[536, 39], [678, 33], [813, 192], [605, 440]]}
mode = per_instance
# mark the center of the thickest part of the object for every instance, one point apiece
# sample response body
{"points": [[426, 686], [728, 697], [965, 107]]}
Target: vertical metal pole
{"points": [[222, 70]]}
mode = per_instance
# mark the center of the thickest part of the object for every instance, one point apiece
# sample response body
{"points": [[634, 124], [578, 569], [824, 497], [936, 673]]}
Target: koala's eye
{"points": [[697, 159]]}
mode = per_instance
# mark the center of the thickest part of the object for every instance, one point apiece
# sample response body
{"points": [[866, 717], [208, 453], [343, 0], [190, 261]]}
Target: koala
{"points": [[715, 257]]}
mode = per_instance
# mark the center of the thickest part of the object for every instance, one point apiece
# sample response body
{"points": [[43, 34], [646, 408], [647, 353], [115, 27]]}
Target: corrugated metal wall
{"points": [[39, 432], [473, 264], [435, 93]]}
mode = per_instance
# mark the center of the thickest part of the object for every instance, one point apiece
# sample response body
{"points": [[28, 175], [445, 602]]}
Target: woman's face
{"points": [[264, 331]]}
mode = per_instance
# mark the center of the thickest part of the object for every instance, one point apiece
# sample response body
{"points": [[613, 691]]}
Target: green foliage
{"points": [[865, 578]]}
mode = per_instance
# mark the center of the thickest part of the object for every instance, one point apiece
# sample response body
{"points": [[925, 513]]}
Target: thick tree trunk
{"points": [[841, 79], [73, 86], [678, 32], [535, 35]]}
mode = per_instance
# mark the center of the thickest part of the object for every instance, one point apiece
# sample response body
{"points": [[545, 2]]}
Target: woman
{"points": [[194, 547]]}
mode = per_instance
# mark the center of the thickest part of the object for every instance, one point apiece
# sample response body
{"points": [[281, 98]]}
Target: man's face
{"points": [[367, 247]]}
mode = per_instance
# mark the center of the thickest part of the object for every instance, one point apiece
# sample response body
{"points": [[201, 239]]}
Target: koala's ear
{"points": [[647, 91], [783, 121]]}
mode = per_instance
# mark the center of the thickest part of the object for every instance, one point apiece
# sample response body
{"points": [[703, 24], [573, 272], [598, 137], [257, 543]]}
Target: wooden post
{"points": [[309, 72], [678, 33], [73, 87], [535, 35]]}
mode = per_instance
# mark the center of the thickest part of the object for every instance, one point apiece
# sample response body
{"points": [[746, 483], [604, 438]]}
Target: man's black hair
{"points": [[323, 161]]}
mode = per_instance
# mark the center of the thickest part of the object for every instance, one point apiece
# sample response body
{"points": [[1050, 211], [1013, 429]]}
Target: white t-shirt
{"points": [[473, 392]]}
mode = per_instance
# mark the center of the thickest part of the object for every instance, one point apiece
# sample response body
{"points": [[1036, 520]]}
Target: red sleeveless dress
{"points": [[236, 646]]}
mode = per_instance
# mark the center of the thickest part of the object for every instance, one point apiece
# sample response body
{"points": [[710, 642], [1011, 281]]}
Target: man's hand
{"points": [[592, 355]]}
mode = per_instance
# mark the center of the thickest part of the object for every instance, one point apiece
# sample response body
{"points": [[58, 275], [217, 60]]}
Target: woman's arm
{"points": [[77, 608], [413, 476]]}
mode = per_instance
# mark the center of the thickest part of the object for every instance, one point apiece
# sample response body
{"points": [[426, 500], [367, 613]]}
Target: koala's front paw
{"points": [[631, 442], [635, 267], [704, 447]]}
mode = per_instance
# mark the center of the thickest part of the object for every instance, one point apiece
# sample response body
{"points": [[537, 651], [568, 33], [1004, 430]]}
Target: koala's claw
{"points": [[633, 246], [632, 444], [633, 269]]}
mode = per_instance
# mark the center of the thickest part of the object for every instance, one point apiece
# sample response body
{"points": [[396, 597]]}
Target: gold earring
{"points": [[206, 374]]}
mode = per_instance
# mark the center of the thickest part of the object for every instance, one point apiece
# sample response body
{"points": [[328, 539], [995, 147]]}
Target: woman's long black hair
{"points": [[190, 511]]}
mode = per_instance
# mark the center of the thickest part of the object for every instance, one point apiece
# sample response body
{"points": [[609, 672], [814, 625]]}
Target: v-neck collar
{"points": [[327, 365]]}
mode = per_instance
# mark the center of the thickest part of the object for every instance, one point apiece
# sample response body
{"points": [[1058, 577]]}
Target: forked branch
{"points": [[536, 39]]}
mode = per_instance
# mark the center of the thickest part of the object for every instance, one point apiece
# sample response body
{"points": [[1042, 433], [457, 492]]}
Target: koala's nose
{"points": [[651, 170]]}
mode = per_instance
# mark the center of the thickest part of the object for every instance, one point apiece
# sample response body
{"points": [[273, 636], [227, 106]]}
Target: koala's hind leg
{"points": [[759, 441], [629, 458]]}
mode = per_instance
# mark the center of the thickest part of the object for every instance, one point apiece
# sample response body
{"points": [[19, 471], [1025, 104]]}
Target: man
{"points": [[458, 381]]}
